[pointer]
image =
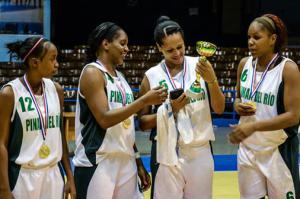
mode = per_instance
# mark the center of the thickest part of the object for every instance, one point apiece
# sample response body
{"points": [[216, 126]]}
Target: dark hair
{"points": [[275, 26], [164, 27], [21, 49], [106, 30]]}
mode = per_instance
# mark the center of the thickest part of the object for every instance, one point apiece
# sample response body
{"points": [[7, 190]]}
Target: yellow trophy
{"points": [[204, 49]]}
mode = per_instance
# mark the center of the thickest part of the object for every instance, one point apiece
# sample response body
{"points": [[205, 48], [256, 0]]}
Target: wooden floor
{"points": [[225, 186]]}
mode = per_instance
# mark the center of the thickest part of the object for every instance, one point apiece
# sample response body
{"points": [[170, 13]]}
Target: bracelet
{"points": [[213, 81], [137, 155]]}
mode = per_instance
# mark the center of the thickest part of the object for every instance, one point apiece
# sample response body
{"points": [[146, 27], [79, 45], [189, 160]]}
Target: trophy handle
{"points": [[198, 77], [202, 58]]}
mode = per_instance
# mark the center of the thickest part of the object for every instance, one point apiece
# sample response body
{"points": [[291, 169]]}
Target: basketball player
{"points": [[268, 101], [192, 176], [106, 165], [32, 143]]}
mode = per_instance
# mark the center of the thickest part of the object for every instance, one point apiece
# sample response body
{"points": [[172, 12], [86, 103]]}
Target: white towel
{"points": [[167, 133], [166, 136], [184, 126]]}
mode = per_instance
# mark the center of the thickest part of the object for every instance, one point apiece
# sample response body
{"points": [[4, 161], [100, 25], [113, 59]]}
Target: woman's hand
{"points": [[70, 189], [155, 96], [205, 69], [241, 132], [179, 103], [144, 177], [244, 109]]}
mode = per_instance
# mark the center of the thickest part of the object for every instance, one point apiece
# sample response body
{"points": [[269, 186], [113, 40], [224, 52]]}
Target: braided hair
{"points": [[275, 26], [164, 27]]}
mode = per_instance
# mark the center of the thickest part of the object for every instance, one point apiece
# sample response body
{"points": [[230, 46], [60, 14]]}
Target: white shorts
{"points": [[114, 177], [262, 174], [46, 183], [192, 179]]}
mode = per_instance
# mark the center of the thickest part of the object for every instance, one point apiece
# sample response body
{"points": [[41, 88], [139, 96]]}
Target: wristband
{"points": [[137, 155]]}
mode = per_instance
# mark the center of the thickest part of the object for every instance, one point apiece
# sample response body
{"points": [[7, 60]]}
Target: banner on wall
{"points": [[20, 19]]}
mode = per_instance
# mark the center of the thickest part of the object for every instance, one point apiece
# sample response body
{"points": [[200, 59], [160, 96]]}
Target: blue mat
{"points": [[222, 162], [225, 162]]}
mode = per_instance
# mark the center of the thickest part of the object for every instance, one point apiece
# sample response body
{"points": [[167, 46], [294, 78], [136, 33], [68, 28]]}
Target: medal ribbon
{"points": [[120, 87], [43, 122], [122, 91], [171, 78], [254, 88]]}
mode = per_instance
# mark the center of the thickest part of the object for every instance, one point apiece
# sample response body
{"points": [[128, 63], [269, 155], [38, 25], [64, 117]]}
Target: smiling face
{"points": [[117, 48], [260, 40], [173, 49]]}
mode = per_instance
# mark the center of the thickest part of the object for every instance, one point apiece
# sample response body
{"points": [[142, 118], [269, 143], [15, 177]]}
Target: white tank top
{"points": [[25, 131], [266, 105], [92, 141]]}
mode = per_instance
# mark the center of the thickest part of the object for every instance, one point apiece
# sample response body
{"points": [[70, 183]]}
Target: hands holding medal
{"points": [[242, 131], [244, 109]]}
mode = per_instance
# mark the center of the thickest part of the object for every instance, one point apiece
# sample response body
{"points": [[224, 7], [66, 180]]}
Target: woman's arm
{"points": [[7, 105], [146, 119], [142, 172], [216, 96], [70, 185], [92, 87]]}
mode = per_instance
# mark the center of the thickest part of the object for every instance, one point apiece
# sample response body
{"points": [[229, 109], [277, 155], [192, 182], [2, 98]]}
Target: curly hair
{"points": [[281, 32]]}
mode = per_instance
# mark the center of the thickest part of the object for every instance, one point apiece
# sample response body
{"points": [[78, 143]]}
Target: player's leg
{"points": [[198, 173], [252, 183]]}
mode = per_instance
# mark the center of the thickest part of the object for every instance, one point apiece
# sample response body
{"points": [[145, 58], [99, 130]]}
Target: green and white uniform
{"points": [[31, 176], [193, 177], [267, 160], [104, 158]]}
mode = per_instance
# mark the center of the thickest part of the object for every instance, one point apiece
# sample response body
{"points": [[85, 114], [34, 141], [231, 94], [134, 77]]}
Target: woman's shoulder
{"points": [[290, 65], [191, 59], [49, 82], [244, 61], [154, 69], [52, 86], [7, 96]]}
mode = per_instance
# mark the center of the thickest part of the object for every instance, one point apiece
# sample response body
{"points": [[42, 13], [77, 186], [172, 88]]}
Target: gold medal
{"points": [[44, 151], [126, 123]]}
